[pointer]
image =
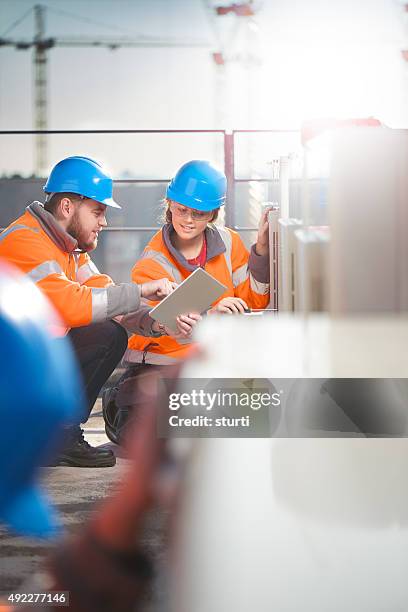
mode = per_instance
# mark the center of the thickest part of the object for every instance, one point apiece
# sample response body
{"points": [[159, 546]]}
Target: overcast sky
{"points": [[309, 58]]}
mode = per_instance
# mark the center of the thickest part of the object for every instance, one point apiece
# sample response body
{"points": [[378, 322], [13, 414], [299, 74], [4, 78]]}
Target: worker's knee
{"points": [[115, 338], [107, 339]]}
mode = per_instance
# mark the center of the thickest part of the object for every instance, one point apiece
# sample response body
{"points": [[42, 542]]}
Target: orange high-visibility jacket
{"points": [[42, 250], [245, 274]]}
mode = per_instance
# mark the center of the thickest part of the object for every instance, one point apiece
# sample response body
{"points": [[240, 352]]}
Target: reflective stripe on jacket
{"points": [[246, 275], [42, 250]]}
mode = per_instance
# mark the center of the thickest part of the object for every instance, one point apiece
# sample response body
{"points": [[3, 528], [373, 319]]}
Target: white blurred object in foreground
{"points": [[308, 524]]}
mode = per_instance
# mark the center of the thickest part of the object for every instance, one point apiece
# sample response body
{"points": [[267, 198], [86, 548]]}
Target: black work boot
{"points": [[78, 453]]}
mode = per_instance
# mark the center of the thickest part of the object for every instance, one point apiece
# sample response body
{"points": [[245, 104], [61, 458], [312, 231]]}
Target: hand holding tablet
{"points": [[195, 294]]}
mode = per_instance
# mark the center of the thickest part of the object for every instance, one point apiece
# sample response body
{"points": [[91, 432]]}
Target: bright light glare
{"points": [[23, 300], [306, 81]]}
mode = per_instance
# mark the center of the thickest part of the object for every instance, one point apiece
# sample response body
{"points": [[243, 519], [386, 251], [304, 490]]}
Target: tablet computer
{"points": [[195, 294]]}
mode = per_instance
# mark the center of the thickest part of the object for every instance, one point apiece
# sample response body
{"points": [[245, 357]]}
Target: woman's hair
{"points": [[165, 217]]}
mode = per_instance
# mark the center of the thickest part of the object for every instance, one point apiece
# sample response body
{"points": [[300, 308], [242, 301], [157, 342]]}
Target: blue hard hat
{"points": [[40, 393], [84, 176], [198, 184]]}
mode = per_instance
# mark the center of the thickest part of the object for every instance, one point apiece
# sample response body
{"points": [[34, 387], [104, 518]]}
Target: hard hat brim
{"points": [[110, 202]]}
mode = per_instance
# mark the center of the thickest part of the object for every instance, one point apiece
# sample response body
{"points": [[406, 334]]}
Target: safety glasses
{"points": [[183, 212]]}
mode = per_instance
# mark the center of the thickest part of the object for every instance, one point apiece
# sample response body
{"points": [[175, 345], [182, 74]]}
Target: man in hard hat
{"points": [[50, 244]]}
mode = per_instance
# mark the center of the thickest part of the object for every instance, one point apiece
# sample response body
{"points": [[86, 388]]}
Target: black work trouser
{"points": [[99, 348]]}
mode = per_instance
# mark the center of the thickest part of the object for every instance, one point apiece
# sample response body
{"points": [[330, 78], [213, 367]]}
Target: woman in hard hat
{"points": [[187, 240]]}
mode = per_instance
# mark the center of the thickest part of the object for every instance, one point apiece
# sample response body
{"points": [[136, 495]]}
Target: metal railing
{"points": [[229, 144]]}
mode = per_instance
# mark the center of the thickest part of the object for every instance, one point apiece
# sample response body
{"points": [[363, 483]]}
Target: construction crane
{"points": [[41, 44], [236, 35], [237, 62]]}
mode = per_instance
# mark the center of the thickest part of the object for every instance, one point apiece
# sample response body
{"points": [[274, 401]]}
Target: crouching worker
{"points": [[50, 244], [189, 239]]}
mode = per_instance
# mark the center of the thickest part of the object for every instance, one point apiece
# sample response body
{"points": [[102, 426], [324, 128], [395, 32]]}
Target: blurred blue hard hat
{"points": [[83, 176], [198, 184], [40, 393]]}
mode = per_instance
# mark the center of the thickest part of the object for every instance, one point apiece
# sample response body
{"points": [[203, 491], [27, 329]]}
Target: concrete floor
{"points": [[75, 492]]}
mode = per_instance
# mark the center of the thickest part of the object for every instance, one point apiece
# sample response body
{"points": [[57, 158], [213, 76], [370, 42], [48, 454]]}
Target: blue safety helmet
{"points": [[198, 184], [84, 176], [40, 392]]}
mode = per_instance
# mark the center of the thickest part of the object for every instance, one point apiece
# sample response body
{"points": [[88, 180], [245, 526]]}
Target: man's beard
{"points": [[76, 231]]}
